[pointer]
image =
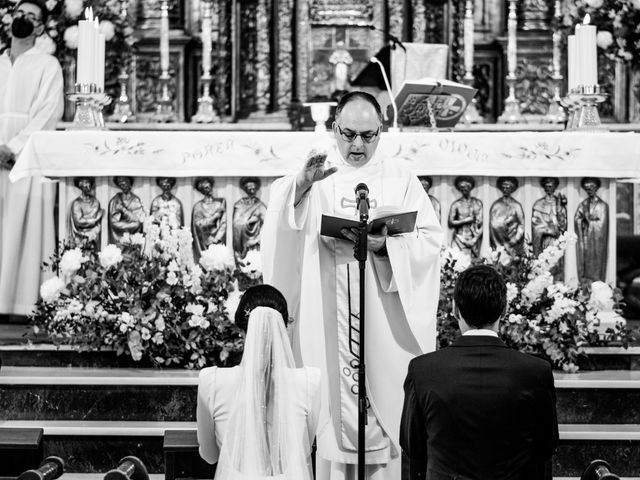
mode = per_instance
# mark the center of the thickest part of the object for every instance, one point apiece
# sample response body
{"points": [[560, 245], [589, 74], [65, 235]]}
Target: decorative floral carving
{"points": [[263, 50], [285, 65], [419, 17], [248, 58], [395, 12], [534, 88], [148, 88]]}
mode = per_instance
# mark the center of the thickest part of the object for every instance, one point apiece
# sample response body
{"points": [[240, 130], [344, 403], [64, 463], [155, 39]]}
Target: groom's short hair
{"points": [[480, 295]]}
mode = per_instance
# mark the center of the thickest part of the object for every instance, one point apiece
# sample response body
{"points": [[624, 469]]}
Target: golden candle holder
{"points": [[164, 109], [206, 113]]}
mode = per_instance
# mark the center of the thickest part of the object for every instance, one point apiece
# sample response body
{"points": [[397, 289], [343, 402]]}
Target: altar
{"points": [[232, 158]]}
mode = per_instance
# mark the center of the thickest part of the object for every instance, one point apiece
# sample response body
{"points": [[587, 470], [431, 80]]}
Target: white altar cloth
{"points": [[270, 154]]}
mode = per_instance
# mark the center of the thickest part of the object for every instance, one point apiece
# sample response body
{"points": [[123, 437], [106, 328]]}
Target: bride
{"points": [[258, 420]]}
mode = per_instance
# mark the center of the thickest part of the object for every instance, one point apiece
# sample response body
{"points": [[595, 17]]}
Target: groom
{"points": [[319, 277], [479, 409]]}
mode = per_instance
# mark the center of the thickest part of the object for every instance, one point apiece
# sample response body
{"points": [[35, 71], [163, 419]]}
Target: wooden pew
{"points": [[20, 449], [181, 457]]}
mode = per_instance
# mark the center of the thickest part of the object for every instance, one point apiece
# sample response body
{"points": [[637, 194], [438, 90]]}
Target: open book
{"points": [[448, 100], [396, 220]]}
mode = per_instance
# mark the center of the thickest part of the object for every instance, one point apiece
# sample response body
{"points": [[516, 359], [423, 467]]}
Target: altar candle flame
{"points": [[587, 19]]}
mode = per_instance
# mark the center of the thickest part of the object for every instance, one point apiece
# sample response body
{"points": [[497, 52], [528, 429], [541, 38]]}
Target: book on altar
{"points": [[396, 220], [448, 100]]}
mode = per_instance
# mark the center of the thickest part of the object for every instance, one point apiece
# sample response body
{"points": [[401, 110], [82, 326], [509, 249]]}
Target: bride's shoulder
{"points": [[217, 374]]}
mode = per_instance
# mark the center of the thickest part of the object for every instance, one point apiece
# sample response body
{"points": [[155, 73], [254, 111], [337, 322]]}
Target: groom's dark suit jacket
{"points": [[479, 410]]}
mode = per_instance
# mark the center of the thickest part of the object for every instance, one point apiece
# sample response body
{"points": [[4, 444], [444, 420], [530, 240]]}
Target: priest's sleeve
{"points": [[412, 267], [283, 240]]}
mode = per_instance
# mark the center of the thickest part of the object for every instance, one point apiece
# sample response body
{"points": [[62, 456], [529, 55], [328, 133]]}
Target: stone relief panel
{"points": [[147, 87]]}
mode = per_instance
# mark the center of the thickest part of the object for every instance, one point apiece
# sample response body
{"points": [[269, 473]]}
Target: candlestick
{"points": [[586, 50], [164, 36], [468, 40], [122, 111], [589, 97], [206, 39], [512, 47], [556, 113], [572, 73]]}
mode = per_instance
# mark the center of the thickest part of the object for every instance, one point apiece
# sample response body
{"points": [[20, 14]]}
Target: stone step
{"points": [[59, 393]]}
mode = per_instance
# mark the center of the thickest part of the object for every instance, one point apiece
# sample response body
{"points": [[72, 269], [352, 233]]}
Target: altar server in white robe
{"points": [[31, 99], [320, 279]]}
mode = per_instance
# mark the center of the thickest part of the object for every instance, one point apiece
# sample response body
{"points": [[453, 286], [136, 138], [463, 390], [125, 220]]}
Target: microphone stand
{"points": [[363, 208]]}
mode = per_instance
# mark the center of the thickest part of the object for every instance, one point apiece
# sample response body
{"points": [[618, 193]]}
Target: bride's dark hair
{"points": [[260, 296]]}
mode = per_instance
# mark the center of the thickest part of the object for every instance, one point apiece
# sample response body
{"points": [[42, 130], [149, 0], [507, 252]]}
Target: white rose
{"points": [[107, 29], [604, 39], [71, 261], [137, 239], [50, 289], [601, 296], [135, 346], [216, 258], [73, 8], [110, 256], [45, 44], [71, 37], [51, 4], [7, 19], [512, 291], [160, 325], [636, 4], [195, 309]]}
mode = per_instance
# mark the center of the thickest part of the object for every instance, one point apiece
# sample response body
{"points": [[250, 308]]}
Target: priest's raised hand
{"points": [[313, 171]]}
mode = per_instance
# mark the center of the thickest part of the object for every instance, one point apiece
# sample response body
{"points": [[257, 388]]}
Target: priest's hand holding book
{"points": [[375, 243]]}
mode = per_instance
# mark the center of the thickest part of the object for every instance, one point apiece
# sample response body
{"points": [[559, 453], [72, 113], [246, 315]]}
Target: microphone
{"points": [[393, 129], [392, 38], [362, 198]]}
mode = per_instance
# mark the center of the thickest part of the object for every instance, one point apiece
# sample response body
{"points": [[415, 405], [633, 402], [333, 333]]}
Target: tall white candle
{"points": [[84, 70], [571, 63], [100, 59], [468, 39], [206, 40], [586, 51], [512, 46], [164, 37]]}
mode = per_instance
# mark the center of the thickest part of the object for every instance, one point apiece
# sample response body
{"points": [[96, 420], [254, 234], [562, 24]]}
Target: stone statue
{"points": [[341, 59], [208, 217], [592, 229], [248, 217], [126, 212], [427, 183], [506, 219], [549, 219], [465, 218], [85, 219], [166, 205]]}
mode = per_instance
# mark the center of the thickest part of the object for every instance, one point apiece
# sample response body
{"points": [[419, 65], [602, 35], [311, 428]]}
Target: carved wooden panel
{"points": [[488, 78], [145, 76]]}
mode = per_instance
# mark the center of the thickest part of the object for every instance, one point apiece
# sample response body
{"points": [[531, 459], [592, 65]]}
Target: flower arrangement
{"points": [[61, 31], [545, 318], [618, 23], [146, 298]]}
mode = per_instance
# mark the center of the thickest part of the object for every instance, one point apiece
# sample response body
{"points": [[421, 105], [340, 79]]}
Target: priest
{"points": [[320, 279], [31, 99]]}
